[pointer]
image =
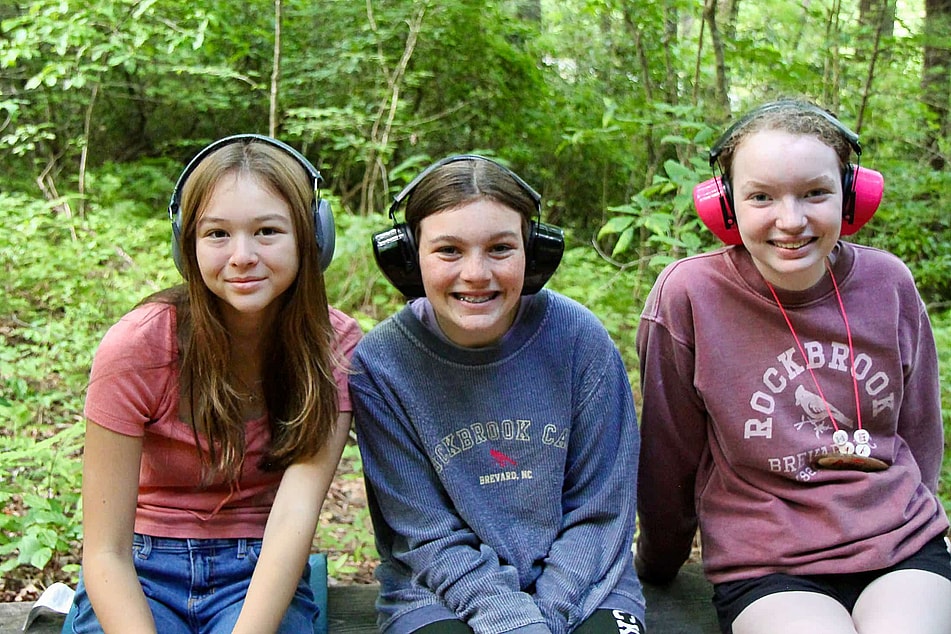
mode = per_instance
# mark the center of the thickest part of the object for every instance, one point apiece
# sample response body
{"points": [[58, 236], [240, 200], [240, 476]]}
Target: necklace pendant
{"points": [[854, 462], [855, 456]]}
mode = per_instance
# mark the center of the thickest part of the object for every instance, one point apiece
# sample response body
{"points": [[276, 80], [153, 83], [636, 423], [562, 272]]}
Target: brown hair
{"points": [[458, 183], [789, 115], [297, 376]]}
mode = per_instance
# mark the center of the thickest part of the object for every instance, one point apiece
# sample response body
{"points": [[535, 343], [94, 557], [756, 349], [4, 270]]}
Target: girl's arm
{"points": [[593, 550], [289, 535], [111, 464], [673, 438], [919, 417]]}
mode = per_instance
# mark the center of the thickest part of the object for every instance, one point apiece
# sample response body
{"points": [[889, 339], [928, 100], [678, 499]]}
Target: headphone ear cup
{"points": [[396, 255], [325, 231], [546, 245], [713, 201], [848, 194], [862, 194], [177, 244]]}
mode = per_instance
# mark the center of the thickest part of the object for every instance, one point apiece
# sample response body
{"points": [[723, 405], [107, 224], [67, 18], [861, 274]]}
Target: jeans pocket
{"points": [[254, 550], [141, 547]]}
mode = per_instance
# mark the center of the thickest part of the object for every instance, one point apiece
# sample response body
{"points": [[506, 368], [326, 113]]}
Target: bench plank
{"points": [[683, 607]]}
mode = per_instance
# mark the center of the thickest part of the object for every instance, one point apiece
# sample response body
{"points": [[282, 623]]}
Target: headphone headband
{"points": [[851, 137], [324, 227], [400, 197]]}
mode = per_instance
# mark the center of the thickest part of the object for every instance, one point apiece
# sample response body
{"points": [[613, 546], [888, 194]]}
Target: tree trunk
{"points": [[831, 76], [386, 113], [880, 29], [671, 77], [870, 15], [936, 77], [731, 9], [275, 70], [722, 93]]}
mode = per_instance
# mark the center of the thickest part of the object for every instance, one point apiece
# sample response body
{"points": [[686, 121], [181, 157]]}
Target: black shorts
{"points": [[733, 597]]}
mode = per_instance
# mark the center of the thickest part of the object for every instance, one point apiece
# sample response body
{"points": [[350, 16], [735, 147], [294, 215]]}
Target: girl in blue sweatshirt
{"points": [[496, 423]]}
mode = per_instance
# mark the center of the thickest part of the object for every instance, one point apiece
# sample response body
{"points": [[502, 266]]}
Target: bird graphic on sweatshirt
{"points": [[501, 459], [816, 412]]}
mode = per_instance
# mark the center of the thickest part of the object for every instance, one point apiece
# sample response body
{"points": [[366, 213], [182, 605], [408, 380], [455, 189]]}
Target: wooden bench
{"points": [[680, 608]]}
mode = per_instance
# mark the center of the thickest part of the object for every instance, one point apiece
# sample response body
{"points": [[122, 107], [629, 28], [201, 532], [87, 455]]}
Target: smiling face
{"points": [[472, 261], [246, 248], [787, 192]]}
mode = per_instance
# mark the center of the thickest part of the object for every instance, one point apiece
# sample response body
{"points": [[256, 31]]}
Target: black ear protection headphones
{"points": [[323, 216], [862, 188], [396, 252]]}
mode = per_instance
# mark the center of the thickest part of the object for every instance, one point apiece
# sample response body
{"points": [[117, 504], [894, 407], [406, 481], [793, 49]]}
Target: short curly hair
{"points": [[789, 115]]}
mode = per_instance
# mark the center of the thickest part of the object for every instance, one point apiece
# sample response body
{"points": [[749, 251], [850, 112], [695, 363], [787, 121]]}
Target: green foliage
{"points": [[65, 281], [354, 283], [45, 521], [659, 225], [610, 292], [350, 543], [913, 223], [942, 327]]}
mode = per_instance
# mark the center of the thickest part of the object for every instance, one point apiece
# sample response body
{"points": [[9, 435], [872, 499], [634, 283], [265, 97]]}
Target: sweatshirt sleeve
{"points": [[919, 420], [673, 437], [593, 550], [417, 527]]}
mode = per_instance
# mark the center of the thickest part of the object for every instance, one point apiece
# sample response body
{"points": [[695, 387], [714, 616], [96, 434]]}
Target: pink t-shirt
{"points": [[134, 390]]}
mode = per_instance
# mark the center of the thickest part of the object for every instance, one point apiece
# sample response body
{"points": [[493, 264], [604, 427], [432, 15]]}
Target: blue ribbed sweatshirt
{"points": [[501, 480]]}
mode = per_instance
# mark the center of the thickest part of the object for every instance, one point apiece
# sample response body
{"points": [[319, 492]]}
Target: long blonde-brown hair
{"points": [[297, 369]]}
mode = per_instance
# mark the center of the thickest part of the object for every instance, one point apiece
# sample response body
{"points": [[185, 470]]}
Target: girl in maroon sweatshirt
{"points": [[791, 407]]}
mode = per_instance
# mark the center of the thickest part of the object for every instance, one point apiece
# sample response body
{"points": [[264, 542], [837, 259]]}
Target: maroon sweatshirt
{"points": [[733, 421]]}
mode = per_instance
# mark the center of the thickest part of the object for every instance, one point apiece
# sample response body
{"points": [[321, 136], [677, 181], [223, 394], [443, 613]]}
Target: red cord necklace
{"points": [[848, 454]]}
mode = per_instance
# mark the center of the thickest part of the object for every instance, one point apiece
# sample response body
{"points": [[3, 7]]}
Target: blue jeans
{"points": [[198, 586]]}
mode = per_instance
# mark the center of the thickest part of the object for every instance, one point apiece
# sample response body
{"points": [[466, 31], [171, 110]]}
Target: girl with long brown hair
{"points": [[217, 411]]}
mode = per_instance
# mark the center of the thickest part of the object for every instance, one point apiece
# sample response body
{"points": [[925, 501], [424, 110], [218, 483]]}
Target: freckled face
{"points": [[787, 191], [472, 261], [246, 249]]}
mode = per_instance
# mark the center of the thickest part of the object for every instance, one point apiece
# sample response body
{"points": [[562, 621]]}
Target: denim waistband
{"points": [[174, 544]]}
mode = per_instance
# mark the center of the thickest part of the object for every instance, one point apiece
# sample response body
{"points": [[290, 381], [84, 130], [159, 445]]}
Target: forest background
{"points": [[607, 107]]}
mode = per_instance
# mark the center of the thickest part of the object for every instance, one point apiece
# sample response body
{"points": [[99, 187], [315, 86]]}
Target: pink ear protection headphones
{"points": [[862, 188]]}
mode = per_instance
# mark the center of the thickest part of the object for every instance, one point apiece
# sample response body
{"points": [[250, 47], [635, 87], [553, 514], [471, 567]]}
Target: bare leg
{"points": [[905, 601], [794, 613]]}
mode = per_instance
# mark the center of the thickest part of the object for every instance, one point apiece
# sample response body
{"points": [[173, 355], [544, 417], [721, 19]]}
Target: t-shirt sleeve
{"points": [[348, 335], [133, 380]]}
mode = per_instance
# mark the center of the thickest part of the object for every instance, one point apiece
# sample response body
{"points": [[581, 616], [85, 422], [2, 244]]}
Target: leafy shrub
{"points": [[67, 279], [942, 327]]}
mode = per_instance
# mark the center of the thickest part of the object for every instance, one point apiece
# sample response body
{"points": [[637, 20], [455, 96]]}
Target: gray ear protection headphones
{"points": [[323, 216], [396, 253]]}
